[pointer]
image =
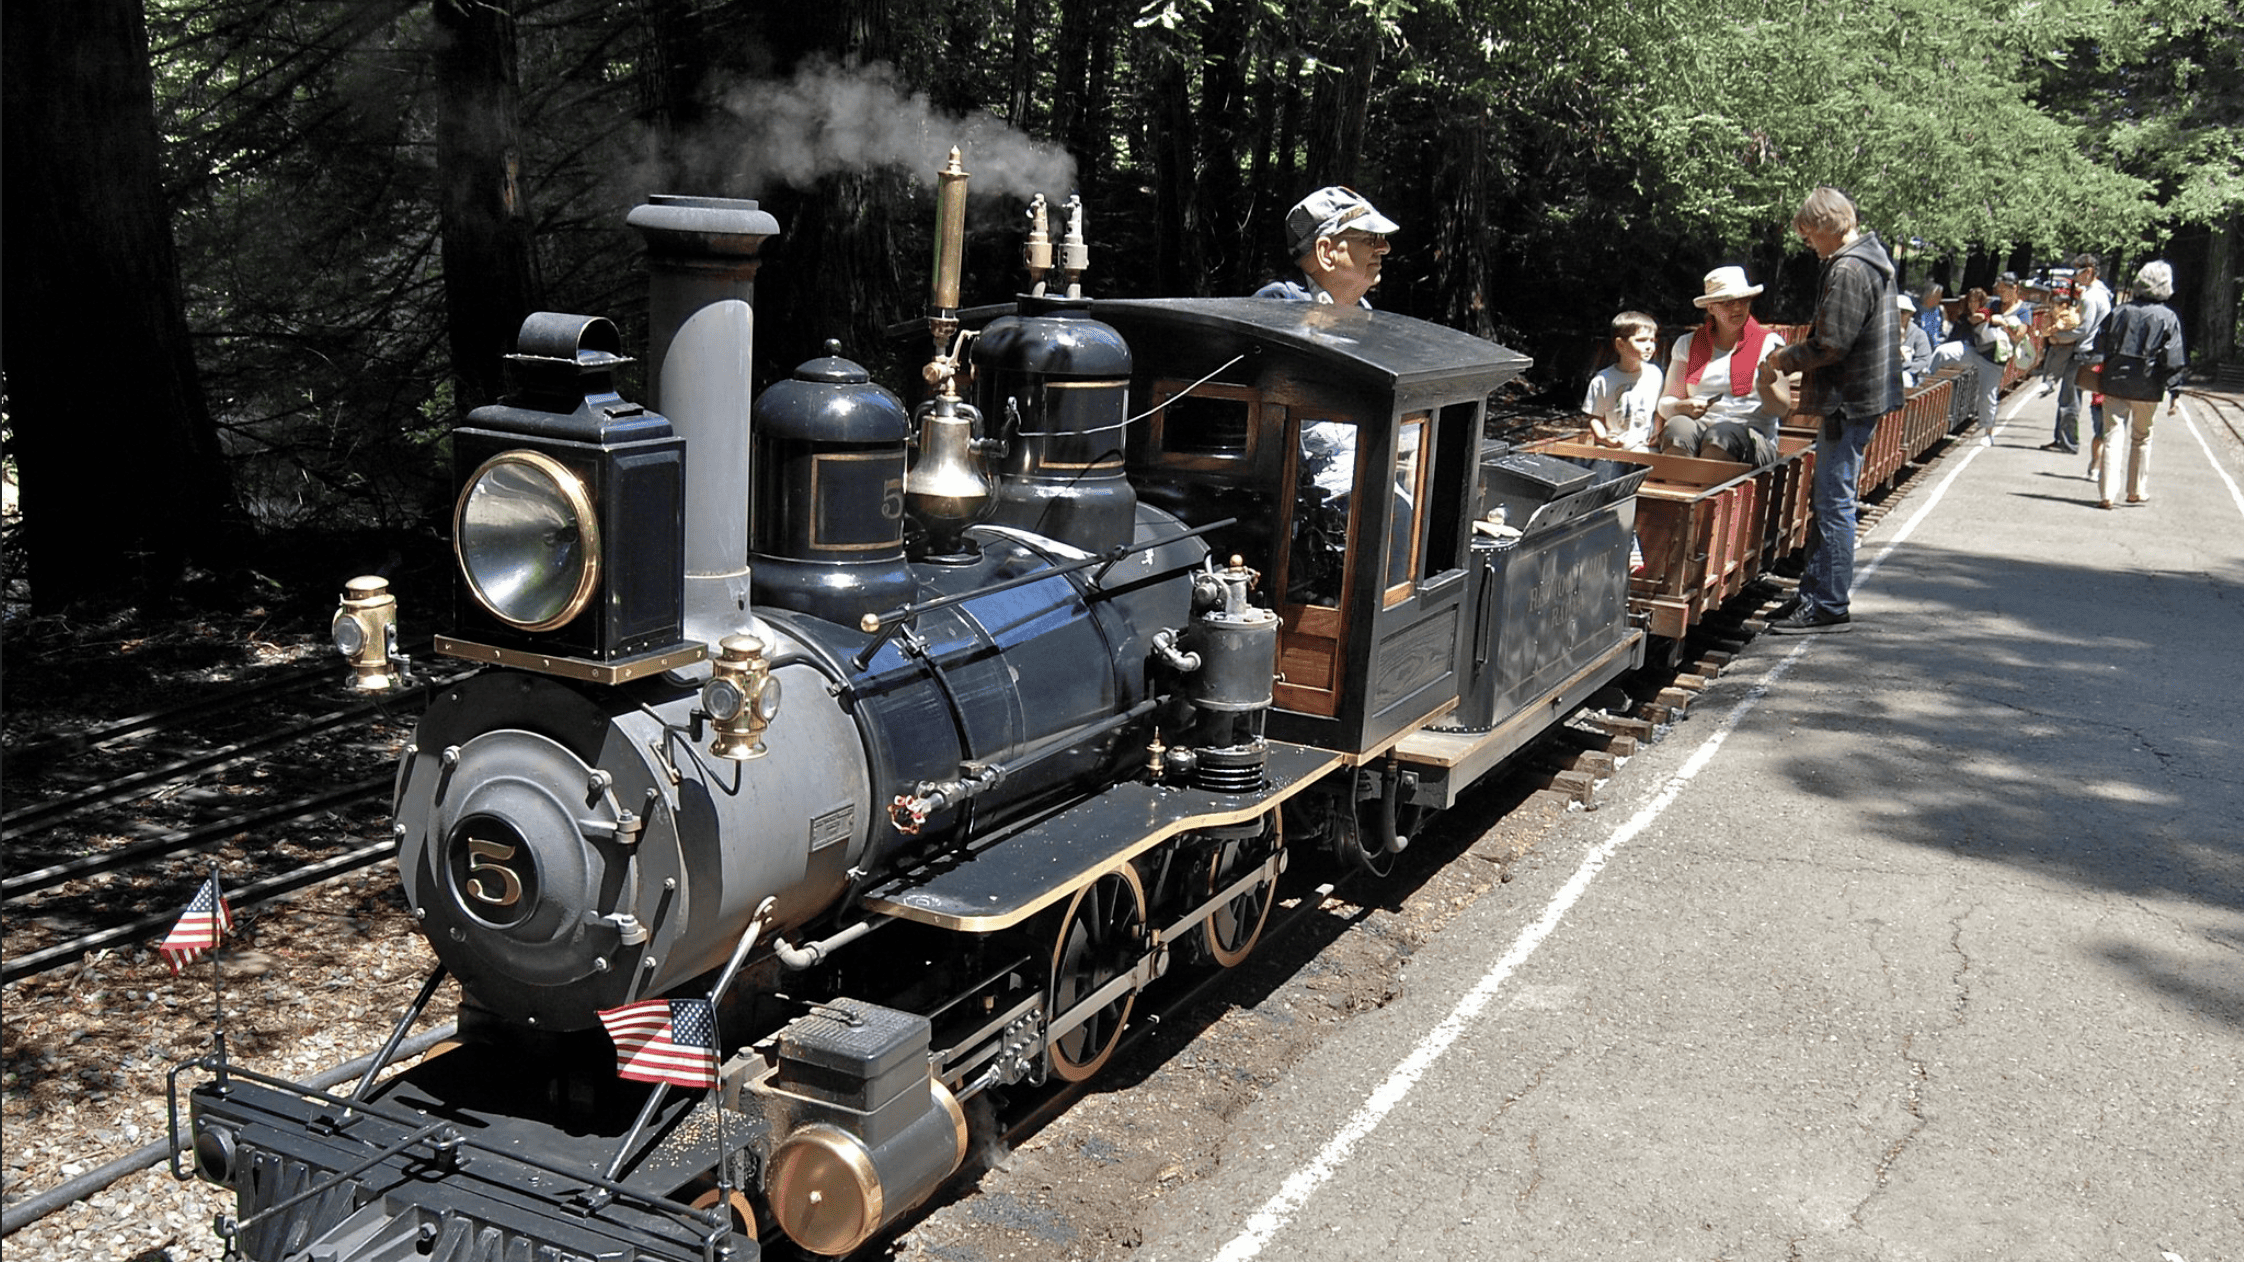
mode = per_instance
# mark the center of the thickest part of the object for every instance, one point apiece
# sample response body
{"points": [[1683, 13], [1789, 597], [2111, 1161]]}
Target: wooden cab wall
{"points": [[1346, 442]]}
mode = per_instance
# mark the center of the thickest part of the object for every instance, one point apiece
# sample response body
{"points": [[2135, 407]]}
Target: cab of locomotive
{"points": [[1347, 444]]}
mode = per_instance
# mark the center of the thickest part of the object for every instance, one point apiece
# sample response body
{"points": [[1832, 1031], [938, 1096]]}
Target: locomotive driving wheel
{"points": [[1100, 939], [1230, 932]]}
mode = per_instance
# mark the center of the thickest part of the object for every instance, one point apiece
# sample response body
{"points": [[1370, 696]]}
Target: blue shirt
{"points": [[1302, 290]]}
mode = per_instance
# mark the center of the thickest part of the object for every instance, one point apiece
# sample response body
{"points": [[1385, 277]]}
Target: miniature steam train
{"points": [[949, 728]]}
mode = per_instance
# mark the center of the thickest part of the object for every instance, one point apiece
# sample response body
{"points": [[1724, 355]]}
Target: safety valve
{"points": [[741, 698]]}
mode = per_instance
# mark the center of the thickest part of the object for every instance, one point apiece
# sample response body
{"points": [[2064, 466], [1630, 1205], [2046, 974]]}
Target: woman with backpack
{"points": [[2144, 363]]}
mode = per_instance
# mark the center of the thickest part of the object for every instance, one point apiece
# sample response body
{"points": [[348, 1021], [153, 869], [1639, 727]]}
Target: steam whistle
{"points": [[945, 488], [950, 245]]}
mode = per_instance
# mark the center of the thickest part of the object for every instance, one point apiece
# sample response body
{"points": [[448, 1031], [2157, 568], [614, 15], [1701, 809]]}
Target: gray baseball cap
{"points": [[1330, 211]]}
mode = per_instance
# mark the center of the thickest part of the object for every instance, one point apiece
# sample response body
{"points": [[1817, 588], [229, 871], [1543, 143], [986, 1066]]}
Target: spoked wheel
{"points": [[1231, 931], [1100, 938], [743, 1215]]}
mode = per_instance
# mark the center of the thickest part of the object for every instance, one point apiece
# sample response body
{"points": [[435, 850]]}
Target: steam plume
{"points": [[830, 119]]}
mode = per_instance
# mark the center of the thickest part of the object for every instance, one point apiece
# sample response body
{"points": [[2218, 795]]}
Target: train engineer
{"points": [[1852, 376], [1339, 241]]}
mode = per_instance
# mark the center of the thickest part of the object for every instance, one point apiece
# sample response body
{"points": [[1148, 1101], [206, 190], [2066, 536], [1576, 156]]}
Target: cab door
{"points": [[1317, 569]]}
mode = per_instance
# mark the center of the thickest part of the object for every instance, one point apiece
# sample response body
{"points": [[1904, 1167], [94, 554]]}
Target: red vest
{"points": [[1748, 353]]}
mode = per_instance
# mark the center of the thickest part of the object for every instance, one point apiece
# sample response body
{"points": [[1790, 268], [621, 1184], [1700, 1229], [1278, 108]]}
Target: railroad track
{"points": [[72, 853]]}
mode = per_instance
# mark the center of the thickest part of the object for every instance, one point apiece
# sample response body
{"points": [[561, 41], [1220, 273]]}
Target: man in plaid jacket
{"points": [[1851, 363]]}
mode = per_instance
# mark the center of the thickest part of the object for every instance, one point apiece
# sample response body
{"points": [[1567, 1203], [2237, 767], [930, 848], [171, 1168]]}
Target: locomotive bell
{"points": [[945, 489]]}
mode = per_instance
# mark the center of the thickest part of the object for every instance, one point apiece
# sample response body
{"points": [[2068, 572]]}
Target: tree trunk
{"points": [[1022, 79], [1176, 221], [1223, 104], [488, 287], [122, 478], [1073, 89], [2218, 299]]}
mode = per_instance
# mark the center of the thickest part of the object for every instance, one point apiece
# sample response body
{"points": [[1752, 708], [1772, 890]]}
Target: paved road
{"points": [[1925, 941]]}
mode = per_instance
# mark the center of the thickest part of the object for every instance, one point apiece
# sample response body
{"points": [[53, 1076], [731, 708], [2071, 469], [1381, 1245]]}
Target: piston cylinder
{"points": [[871, 1132]]}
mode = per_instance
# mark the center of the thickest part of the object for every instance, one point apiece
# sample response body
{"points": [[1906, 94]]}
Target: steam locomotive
{"points": [[934, 734]]}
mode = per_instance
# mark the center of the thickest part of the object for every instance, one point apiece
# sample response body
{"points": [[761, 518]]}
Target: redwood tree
{"points": [[121, 476]]}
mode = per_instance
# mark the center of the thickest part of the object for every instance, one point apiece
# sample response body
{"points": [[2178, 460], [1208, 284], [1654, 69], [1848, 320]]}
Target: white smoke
{"points": [[831, 119]]}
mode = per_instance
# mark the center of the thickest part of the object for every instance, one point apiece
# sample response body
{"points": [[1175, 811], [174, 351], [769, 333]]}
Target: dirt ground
{"points": [[1081, 1188], [310, 981]]}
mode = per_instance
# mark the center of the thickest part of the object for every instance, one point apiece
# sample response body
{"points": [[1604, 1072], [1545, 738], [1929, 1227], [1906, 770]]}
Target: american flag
{"points": [[665, 1040], [205, 921]]}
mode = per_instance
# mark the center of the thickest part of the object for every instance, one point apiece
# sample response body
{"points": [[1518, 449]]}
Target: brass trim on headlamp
{"points": [[576, 500], [741, 698], [364, 631]]}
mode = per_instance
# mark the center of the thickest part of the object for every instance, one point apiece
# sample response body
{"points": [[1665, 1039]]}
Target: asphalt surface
{"points": [[1924, 941]]}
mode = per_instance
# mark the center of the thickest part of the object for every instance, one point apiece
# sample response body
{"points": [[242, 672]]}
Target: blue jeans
{"points": [[1828, 579], [2068, 411]]}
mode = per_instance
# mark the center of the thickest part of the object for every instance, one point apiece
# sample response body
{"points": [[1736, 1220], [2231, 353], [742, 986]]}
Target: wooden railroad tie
{"points": [[1623, 727]]}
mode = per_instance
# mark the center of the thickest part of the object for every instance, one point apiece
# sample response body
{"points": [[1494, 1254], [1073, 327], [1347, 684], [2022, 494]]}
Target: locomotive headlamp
{"points": [[741, 698], [568, 518], [365, 633], [528, 540]]}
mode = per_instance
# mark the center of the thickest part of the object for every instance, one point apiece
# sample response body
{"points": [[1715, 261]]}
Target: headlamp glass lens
{"points": [[350, 637], [526, 541]]}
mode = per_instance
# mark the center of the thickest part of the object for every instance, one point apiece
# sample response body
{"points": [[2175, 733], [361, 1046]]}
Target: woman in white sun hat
{"points": [[1711, 403]]}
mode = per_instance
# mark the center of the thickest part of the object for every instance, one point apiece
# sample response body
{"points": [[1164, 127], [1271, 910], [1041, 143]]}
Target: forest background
{"points": [[260, 255]]}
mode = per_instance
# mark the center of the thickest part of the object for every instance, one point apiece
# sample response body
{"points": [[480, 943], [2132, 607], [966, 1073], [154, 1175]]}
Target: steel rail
{"points": [[210, 760], [171, 843], [49, 748], [251, 895]]}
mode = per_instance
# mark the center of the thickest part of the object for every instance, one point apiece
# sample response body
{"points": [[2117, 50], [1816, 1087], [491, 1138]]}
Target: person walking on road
{"points": [[2144, 363], [1851, 359], [2095, 298]]}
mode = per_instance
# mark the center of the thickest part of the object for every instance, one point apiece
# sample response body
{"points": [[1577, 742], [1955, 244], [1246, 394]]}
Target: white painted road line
{"points": [[1298, 1187], [1280, 1209], [2235, 495]]}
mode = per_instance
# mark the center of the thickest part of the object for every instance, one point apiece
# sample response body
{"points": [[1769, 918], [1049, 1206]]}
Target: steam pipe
{"points": [[810, 953], [910, 810], [883, 626]]}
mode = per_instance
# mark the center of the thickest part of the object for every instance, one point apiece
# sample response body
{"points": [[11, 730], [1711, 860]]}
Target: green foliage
{"points": [[1551, 161]]}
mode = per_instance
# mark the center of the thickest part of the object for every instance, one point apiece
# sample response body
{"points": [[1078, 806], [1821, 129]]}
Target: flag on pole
{"points": [[205, 921], [665, 1040]]}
